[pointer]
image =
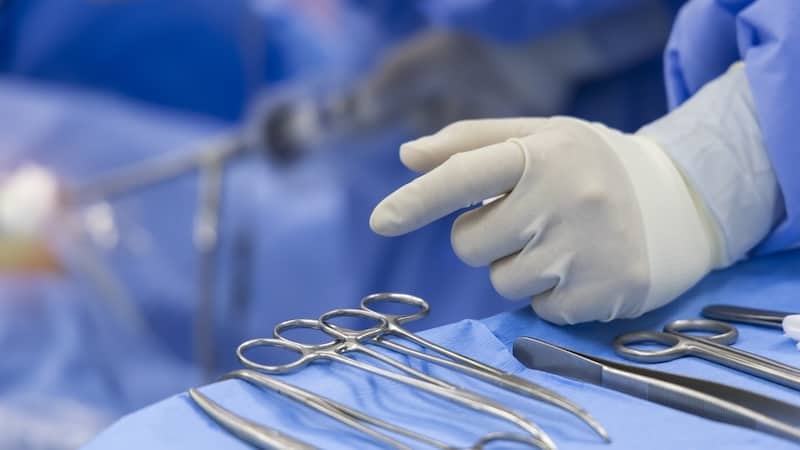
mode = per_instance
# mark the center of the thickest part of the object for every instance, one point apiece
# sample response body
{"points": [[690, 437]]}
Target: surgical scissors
{"points": [[357, 419], [715, 348], [349, 341], [391, 324]]}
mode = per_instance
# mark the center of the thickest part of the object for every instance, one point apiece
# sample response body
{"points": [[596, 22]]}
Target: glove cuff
{"points": [[682, 241], [715, 140]]}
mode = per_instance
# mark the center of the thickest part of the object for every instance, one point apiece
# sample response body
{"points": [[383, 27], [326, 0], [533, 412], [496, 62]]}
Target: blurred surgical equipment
{"points": [[28, 198], [208, 160], [30, 206], [248, 431], [703, 398], [436, 78], [351, 417], [740, 314], [715, 347]]}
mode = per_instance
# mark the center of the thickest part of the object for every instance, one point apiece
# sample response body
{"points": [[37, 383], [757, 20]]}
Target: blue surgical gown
{"points": [[710, 35]]}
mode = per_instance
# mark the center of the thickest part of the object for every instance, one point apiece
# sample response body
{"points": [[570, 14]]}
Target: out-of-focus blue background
{"points": [[325, 91]]}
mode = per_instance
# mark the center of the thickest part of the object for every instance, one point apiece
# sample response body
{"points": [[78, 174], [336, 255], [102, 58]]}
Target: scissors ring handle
{"points": [[394, 297], [312, 324], [347, 334], [675, 347], [726, 334], [304, 356]]}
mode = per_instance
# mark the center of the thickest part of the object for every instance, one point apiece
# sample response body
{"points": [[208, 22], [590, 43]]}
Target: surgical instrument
{"points": [[351, 341], [335, 410], [391, 325], [703, 398], [246, 430], [715, 348], [331, 351], [730, 313], [357, 419], [346, 340]]}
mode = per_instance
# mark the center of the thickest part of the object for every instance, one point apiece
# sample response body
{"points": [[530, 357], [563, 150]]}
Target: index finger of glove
{"points": [[423, 154], [462, 180]]}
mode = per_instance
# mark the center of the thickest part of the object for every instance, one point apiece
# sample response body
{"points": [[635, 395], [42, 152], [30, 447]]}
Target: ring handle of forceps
{"points": [[306, 354], [312, 324], [726, 334], [394, 297], [346, 334]]}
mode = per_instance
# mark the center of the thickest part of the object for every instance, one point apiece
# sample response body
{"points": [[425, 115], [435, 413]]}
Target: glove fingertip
{"points": [[385, 223], [378, 224], [414, 156]]}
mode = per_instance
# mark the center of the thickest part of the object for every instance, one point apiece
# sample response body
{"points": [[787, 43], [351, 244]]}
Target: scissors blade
{"points": [[741, 314], [707, 399]]}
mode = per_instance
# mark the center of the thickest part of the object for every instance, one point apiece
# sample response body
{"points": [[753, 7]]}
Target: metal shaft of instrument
{"points": [[348, 341], [352, 343], [335, 410], [744, 361], [731, 313], [503, 380], [752, 356], [250, 432], [151, 172], [701, 397], [467, 395], [330, 408], [409, 370], [526, 386], [485, 405], [465, 360], [206, 238], [388, 426], [463, 363], [503, 437]]}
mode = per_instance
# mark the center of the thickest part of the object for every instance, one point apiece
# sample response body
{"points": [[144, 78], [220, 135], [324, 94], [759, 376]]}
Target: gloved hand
{"points": [[593, 224]]}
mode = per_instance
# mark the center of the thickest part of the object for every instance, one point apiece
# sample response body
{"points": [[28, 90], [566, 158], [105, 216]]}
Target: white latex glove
{"points": [[594, 224]]}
